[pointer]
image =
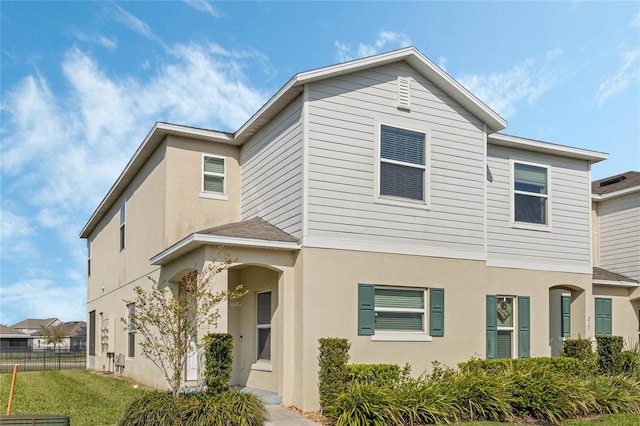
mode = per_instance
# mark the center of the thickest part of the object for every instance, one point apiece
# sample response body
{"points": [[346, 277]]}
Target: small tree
{"points": [[54, 335], [167, 320]]}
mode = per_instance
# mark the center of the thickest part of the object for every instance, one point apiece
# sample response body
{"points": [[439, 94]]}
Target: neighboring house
{"points": [[74, 337], [372, 200], [616, 248], [13, 340], [32, 325]]}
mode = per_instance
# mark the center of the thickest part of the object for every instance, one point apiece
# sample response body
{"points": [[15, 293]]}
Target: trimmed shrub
{"points": [[581, 349], [332, 361], [375, 374], [229, 408], [609, 350], [218, 361], [563, 365]]}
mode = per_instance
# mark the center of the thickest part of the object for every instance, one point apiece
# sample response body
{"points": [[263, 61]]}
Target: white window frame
{"points": [[88, 257], [404, 336], [513, 193], [262, 361], [512, 329], [210, 194], [123, 223], [400, 201]]}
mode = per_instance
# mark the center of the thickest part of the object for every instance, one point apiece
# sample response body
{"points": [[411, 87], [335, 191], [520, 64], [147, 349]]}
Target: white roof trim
{"points": [[414, 57], [614, 194], [627, 284], [196, 240], [546, 147]]}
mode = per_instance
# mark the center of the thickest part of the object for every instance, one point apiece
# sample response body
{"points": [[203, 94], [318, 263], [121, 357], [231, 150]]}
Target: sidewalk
{"points": [[280, 416]]}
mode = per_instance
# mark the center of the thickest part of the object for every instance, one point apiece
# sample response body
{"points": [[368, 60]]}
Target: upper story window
{"points": [[530, 193], [213, 177], [88, 257], [402, 163], [123, 217]]}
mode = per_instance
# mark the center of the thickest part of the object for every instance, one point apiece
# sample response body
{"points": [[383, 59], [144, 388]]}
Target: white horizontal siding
{"points": [[566, 246], [271, 167], [343, 113], [620, 235]]}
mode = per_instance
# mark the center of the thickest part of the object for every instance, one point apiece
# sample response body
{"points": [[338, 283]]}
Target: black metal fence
{"points": [[42, 360]]}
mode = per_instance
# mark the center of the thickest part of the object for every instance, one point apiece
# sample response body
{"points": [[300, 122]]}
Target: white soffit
{"points": [[546, 147]]}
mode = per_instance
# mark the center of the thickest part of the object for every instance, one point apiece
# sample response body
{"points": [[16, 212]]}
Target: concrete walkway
{"points": [[278, 415]]}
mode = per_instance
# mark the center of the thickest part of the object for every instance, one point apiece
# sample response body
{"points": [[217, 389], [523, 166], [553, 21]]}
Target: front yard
{"points": [[86, 397], [93, 399]]}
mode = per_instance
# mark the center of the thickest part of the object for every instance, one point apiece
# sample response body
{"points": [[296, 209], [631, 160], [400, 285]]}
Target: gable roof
{"points": [[35, 323], [621, 182], [69, 329], [254, 232], [291, 90], [12, 333]]}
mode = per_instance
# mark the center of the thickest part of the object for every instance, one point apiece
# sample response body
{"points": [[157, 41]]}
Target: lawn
{"points": [[86, 397]]}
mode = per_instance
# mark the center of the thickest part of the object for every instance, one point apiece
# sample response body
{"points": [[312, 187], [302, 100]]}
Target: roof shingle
{"points": [[616, 183]]}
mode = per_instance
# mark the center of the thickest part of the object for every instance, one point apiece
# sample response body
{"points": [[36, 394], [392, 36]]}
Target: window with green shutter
{"points": [[603, 316], [399, 309], [500, 326]]}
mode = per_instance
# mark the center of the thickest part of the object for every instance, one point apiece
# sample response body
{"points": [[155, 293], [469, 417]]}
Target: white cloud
{"points": [[635, 20], [104, 41], [62, 151], [204, 6], [41, 296], [506, 91], [628, 71], [133, 23], [387, 40], [15, 231]]}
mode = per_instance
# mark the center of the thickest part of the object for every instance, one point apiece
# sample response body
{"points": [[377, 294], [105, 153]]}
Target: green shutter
{"points": [[436, 312], [524, 329], [366, 317], [566, 316], [603, 316], [492, 326]]}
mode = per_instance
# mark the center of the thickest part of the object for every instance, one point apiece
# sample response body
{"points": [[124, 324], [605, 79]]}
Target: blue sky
{"points": [[83, 82]]}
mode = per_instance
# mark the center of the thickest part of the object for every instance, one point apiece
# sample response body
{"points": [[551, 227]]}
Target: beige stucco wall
{"points": [[328, 308], [624, 321], [186, 211]]}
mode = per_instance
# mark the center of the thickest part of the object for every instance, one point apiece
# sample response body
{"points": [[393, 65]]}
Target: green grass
{"points": [[87, 398], [604, 420]]}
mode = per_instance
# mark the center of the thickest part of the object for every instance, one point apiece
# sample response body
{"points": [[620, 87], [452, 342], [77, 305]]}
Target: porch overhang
{"points": [[254, 233], [195, 240], [608, 278]]}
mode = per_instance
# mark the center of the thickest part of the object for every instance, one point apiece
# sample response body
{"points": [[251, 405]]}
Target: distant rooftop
{"points": [[616, 183], [35, 323]]}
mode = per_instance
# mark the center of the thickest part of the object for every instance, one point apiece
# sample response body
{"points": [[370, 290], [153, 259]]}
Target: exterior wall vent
{"points": [[403, 87]]}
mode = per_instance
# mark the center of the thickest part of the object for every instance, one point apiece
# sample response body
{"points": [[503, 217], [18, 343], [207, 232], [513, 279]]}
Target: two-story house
{"points": [[372, 200], [616, 248]]}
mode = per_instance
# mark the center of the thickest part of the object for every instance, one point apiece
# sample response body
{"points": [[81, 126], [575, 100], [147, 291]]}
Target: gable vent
{"points": [[403, 86]]}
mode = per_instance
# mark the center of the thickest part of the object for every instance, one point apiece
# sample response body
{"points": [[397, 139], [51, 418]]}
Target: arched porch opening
{"points": [[566, 315]]}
